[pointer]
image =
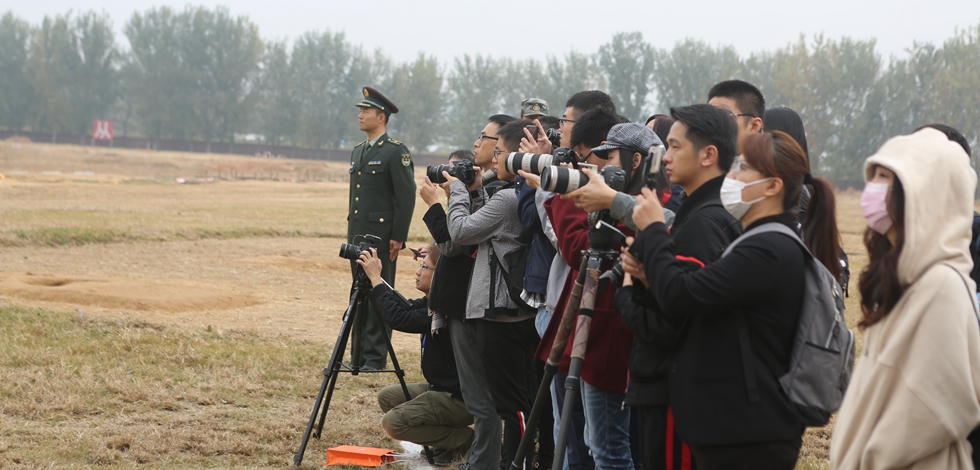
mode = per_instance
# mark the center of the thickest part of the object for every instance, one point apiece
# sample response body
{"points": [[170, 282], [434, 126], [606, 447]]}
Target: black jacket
{"points": [[451, 279], [438, 361], [761, 282], [701, 231]]}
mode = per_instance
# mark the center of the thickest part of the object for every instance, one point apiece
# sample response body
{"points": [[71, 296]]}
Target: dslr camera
{"points": [[459, 169], [562, 180], [536, 162], [352, 252]]}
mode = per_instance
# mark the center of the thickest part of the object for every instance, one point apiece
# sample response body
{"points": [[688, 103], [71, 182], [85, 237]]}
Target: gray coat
{"points": [[486, 223]]}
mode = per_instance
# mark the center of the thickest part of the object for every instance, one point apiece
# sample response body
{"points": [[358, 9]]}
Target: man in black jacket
{"points": [[436, 415], [701, 148]]}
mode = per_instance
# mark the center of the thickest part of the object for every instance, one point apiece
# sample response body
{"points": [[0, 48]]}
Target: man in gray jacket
{"points": [[494, 346]]}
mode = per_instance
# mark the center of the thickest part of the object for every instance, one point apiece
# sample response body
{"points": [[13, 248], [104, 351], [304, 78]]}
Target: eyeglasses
{"points": [[743, 114], [497, 152], [424, 267], [739, 166], [487, 137], [562, 121]]}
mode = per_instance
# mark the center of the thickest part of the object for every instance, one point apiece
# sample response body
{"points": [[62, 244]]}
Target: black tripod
{"points": [[578, 310], [354, 319]]}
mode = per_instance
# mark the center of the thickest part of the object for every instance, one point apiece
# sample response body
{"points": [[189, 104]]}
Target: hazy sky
{"points": [[448, 29]]}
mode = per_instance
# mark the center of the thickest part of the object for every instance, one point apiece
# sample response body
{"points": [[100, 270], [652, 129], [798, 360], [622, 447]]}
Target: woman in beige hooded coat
{"points": [[915, 393]]}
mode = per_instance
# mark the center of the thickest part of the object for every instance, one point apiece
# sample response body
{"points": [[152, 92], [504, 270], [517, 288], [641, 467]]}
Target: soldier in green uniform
{"points": [[382, 201]]}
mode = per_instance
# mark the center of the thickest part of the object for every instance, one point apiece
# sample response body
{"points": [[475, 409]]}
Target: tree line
{"points": [[205, 74]]}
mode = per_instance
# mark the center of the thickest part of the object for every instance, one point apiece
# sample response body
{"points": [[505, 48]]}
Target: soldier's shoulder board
{"points": [[396, 142], [360, 144]]}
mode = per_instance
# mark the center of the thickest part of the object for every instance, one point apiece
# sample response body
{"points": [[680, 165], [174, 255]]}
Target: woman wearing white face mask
{"points": [[756, 289], [915, 393]]}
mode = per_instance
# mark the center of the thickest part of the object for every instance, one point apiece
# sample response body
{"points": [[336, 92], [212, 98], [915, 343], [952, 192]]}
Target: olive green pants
{"points": [[435, 419]]}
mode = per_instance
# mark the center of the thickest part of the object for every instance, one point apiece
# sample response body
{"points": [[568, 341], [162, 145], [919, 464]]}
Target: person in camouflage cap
{"points": [[533, 108]]}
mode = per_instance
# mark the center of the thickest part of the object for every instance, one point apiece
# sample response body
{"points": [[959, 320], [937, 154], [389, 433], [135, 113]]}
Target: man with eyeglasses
{"points": [[487, 141], [494, 345], [744, 101], [435, 415]]}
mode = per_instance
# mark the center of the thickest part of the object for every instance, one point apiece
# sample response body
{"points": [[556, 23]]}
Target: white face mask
{"points": [[731, 196]]}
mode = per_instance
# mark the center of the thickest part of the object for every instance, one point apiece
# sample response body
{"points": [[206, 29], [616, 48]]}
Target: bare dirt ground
{"points": [[247, 255]]}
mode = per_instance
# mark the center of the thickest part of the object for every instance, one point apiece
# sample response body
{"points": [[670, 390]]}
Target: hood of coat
{"points": [[939, 183]]}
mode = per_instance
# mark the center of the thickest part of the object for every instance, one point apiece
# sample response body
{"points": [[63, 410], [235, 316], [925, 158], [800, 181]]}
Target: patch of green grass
{"points": [[73, 236], [80, 391]]}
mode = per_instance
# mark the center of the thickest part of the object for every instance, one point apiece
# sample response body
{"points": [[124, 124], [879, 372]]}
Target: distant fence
{"points": [[248, 149]]}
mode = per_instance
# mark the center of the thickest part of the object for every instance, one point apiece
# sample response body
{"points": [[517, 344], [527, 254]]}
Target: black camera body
{"points": [[554, 136], [352, 252], [536, 162], [562, 180], [459, 169]]}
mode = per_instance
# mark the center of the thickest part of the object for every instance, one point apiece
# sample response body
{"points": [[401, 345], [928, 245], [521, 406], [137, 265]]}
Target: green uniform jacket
{"points": [[382, 192]]}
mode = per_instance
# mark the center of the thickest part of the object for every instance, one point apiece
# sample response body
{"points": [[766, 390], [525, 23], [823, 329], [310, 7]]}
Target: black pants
{"points": [[753, 456], [662, 448], [508, 353]]}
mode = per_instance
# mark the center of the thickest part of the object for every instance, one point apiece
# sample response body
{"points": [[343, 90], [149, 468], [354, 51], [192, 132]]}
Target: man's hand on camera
{"points": [[477, 182], [631, 265], [593, 197], [372, 265], [532, 179], [429, 192], [647, 210]]}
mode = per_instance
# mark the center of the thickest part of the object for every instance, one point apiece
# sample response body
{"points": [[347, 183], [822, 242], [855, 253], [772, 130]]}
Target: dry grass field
{"points": [[151, 323]]}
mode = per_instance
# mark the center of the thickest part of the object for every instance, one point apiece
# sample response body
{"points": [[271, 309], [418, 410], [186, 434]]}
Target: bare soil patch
{"points": [[125, 294]]}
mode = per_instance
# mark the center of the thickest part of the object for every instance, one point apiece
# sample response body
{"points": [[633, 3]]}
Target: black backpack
{"points": [[822, 356], [513, 265]]}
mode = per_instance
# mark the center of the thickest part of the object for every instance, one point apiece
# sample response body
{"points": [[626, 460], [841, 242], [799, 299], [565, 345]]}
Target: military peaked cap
{"points": [[374, 99]]}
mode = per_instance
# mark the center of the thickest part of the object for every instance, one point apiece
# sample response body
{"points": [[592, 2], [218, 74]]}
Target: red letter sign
{"points": [[101, 130]]}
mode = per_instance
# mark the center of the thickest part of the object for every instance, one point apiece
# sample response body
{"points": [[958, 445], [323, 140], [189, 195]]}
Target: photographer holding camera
{"points": [[604, 370], [505, 337], [701, 148], [436, 415]]}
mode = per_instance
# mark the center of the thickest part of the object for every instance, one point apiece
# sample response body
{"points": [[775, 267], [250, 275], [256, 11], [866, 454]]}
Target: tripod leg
{"points": [[321, 405], [536, 410], [558, 350], [579, 346]]}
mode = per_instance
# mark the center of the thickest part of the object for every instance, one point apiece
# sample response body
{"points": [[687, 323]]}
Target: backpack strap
{"points": [[972, 295], [766, 228]]}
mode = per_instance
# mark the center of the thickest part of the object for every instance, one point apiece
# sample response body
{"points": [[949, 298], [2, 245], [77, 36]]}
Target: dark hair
{"points": [[548, 122], [786, 120], [593, 126], [951, 134], [585, 101], [748, 98], [512, 133], [501, 119], [634, 184], [879, 284], [462, 154], [661, 126], [708, 125], [776, 154]]}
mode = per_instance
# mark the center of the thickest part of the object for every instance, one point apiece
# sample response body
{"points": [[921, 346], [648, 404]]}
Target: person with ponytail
{"points": [[747, 301], [914, 396]]}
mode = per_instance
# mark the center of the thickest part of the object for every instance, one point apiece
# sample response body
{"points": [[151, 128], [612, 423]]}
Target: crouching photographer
{"points": [[436, 415]]}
